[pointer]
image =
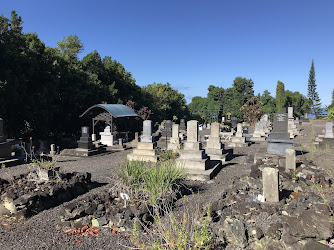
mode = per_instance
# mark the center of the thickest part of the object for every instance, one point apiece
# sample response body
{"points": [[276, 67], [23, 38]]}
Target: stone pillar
{"points": [[147, 131], [290, 113], [93, 137], [52, 149], [136, 136], [270, 184], [120, 141], [329, 130], [239, 130], [290, 159], [175, 140], [214, 140], [192, 131]]}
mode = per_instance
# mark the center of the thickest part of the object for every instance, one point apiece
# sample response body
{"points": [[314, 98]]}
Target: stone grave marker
{"points": [[290, 159], [329, 130], [279, 138], [270, 184], [147, 131], [85, 141], [183, 125]]}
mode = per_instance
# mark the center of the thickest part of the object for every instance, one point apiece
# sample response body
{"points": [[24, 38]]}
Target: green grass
{"points": [[155, 180]]}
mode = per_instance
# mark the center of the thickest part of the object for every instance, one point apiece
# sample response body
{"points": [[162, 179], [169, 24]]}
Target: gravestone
{"points": [[279, 138], [270, 184], [183, 125], [305, 118], [52, 149], [107, 138], [85, 141], [193, 158], [175, 140], [147, 131], [167, 131], [145, 150], [290, 159], [136, 136], [214, 147], [239, 132], [256, 133], [329, 130]]}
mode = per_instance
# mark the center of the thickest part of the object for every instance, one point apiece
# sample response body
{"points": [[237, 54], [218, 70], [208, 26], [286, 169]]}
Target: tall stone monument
{"points": [[193, 158], [279, 138], [214, 147], [145, 150]]}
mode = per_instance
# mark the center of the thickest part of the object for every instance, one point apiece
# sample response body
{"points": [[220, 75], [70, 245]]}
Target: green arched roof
{"points": [[116, 110]]}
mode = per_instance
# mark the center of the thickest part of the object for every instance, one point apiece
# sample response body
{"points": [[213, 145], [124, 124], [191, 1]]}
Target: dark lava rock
{"points": [[311, 224], [235, 232], [274, 231]]}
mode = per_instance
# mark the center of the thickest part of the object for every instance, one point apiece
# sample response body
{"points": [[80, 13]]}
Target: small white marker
{"points": [[125, 197]]}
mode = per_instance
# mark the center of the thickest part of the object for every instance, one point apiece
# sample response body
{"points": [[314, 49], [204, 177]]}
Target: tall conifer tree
{"points": [[280, 96], [313, 95]]}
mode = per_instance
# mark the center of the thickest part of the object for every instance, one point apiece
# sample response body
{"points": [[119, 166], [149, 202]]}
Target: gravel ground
{"points": [[41, 232]]}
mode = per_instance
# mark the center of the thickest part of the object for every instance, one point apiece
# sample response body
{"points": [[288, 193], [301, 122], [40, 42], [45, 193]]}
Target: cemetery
{"points": [[90, 158]]}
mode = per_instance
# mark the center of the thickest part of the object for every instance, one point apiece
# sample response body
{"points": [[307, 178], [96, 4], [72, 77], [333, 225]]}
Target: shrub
{"points": [[153, 181]]}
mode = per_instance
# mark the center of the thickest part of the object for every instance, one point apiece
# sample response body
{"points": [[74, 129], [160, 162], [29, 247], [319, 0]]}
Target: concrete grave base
{"points": [[146, 158], [205, 175], [219, 154], [276, 146], [257, 139], [194, 164]]}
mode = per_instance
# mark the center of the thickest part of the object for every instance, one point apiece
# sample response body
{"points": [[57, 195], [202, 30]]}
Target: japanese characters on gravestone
{"points": [[85, 141]]}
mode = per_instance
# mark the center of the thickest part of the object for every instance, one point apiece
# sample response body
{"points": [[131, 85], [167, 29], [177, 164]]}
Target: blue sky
{"points": [[193, 44]]}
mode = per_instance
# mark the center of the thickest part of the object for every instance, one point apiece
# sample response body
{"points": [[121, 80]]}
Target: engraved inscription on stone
{"points": [[281, 117]]}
